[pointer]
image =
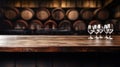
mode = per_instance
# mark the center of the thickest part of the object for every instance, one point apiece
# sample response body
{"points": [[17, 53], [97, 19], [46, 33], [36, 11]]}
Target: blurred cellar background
{"points": [[56, 16]]}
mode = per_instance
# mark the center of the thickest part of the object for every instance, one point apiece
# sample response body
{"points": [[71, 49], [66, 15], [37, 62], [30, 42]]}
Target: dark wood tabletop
{"points": [[57, 43]]}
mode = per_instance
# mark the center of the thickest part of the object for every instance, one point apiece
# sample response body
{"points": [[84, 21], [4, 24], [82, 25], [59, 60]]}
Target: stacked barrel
{"points": [[73, 20]]}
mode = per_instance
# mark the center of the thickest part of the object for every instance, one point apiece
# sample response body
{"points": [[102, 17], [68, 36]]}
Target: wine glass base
{"points": [[111, 38], [91, 38], [96, 37], [106, 37], [100, 37]]}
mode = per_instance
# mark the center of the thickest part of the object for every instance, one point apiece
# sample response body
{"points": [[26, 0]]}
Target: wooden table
{"points": [[57, 43]]}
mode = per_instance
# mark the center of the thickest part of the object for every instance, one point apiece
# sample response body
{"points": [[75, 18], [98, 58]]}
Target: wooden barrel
{"points": [[27, 14], [50, 24], [117, 15], [112, 21], [58, 14], [93, 22], [11, 13], [102, 14], [79, 25], [65, 25], [86, 14], [117, 12], [72, 14], [42, 14], [21, 24], [36, 24], [7, 24]]}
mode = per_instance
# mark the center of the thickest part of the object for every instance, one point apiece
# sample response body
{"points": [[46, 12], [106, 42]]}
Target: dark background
{"points": [[82, 59]]}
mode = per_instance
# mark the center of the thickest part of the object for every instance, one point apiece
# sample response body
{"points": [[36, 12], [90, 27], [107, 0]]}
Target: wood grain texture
{"points": [[56, 43]]}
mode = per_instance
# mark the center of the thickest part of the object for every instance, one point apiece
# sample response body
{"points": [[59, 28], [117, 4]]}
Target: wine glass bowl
{"points": [[106, 30], [96, 30], [111, 29], [99, 29], [90, 31]]}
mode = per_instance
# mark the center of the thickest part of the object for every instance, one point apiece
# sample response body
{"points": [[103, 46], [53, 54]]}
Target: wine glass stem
{"points": [[96, 36], [106, 36], [90, 35], [110, 36], [100, 36]]}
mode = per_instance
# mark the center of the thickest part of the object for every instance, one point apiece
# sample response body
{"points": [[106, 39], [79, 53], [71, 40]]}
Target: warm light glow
{"points": [[32, 4], [56, 3], [117, 15], [89, 4], [86, 4], [92, 4], [63, 3], [17, 4]]}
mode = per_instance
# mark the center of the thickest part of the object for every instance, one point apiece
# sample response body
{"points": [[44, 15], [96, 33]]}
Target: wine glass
{"points": [[100, 27], [106, 30], [96, 30], [111, 29], [90, 31]]}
